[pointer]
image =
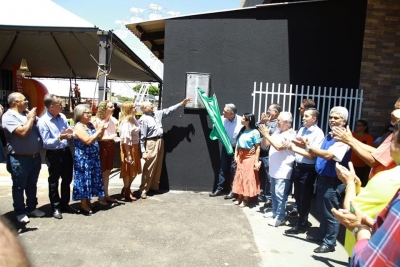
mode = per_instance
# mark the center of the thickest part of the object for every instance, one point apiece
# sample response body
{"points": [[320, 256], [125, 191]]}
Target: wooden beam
{"points": [[157, 47], [148, 36]]}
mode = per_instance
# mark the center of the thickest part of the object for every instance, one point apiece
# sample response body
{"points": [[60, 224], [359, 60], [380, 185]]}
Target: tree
{"points": [[153, 90]]}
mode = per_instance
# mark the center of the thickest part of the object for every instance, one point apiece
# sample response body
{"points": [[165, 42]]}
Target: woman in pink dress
{"points": [[107, 145]]}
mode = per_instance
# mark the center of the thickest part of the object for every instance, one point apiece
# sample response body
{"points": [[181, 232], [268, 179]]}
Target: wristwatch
{"points": [[360, 227], [307, 149]]}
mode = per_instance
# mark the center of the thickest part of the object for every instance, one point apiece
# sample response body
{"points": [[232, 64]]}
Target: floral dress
{"points": [[88, 181]]}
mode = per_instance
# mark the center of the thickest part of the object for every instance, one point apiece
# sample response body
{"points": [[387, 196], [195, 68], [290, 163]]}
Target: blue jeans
{"points": [[280, 189], [328, 198], [24, 174], [227, 170], [265, 178]]}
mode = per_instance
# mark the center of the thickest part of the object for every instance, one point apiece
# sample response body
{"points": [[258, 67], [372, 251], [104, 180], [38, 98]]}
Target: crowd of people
{"points": [[270, 157], [90, 164], [357, 184]]}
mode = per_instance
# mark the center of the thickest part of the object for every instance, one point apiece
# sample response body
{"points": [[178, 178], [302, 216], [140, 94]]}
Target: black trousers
{"points": [[303, 178], [60, 164]]}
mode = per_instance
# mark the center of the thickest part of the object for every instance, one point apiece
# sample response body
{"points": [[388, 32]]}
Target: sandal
{"points": [[102, 201], [243, 204], [110, 199], [237, 202]]}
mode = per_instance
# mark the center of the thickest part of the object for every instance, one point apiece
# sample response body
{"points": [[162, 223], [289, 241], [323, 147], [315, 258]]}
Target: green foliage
{"points": [[124, 98], [137, 88], [153, 90]]}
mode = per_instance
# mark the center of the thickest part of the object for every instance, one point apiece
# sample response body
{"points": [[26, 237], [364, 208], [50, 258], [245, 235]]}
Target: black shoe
{"points": [[261, 198], [268, 203], [293, 213], [313, 239], [216, 193], [324, 249], [57, 214], [68, 209], [230, 195], [85, 212], [295, 230]]}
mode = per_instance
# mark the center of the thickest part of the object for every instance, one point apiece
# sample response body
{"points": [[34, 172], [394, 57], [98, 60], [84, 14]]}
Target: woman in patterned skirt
{"points": [[88, 180]]}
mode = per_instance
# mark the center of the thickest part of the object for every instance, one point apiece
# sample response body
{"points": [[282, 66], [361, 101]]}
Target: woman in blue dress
{"points": [[88, 181]]}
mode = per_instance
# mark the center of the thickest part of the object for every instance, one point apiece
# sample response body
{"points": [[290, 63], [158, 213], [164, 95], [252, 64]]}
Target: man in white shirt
{"points": [[232, 125]]}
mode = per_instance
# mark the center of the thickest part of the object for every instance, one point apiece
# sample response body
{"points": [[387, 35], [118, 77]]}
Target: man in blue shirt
{"points": [[303, 176], [328, 190], [55, 132]]}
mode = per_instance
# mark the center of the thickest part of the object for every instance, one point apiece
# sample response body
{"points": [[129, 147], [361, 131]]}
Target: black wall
{"points": [[316, 43]]}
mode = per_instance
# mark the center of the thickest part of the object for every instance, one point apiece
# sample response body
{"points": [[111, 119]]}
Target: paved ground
{"points": [[171, 229]]}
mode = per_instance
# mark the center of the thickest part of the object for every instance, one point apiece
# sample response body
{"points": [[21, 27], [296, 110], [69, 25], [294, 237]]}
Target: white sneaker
{"points": [[269, 214], [22, 218], [276, 222], [36, 213]]}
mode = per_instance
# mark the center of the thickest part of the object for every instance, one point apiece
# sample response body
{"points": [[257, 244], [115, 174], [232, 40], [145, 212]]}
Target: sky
{"points": [[104, 15]]}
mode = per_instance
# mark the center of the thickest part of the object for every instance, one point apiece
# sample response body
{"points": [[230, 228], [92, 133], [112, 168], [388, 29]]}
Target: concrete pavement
{"points": [[171, 229]]}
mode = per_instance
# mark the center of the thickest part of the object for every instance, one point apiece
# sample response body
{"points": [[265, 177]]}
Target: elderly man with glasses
{"points": [[23, 161]]}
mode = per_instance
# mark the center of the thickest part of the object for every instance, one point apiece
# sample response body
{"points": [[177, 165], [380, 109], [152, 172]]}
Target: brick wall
{"points": [[380, 67]]}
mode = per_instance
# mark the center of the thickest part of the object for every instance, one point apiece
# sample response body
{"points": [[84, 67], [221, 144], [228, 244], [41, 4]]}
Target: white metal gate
{"points": [[290, 98]]}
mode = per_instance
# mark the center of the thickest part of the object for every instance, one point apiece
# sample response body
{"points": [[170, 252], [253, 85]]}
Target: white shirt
{"points": [[232, 128], [315, 137], [281, 162]]}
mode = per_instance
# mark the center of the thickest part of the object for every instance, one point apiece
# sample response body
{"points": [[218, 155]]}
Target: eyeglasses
{"points": [[88, 113], [24, 100], [334, 118]]}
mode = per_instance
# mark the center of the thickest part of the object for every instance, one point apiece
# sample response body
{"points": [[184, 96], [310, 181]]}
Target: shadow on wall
{"points": [[176, 135], [172, 139]]}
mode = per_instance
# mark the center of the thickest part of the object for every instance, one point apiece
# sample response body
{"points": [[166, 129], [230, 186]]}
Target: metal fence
{"points": [[290, 98]]}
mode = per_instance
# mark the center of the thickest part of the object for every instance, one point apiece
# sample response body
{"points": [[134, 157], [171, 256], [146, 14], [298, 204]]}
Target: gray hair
{"points": [[12, 97], [277, 107], [145, 104], [232, 107], [286, 116], [49, 99], [78, 111], [344, 113]]}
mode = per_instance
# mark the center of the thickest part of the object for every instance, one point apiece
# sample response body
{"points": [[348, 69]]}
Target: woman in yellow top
{"points": [[374, 197]]}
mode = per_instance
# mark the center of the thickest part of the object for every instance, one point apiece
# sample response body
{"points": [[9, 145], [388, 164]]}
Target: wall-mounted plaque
{"points": [[193, 81]]}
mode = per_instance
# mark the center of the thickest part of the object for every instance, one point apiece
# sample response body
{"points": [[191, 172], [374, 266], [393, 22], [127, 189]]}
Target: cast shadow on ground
{"points": [[328, 261]]}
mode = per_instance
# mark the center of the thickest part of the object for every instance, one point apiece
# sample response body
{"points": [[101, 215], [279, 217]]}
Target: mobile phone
{"points": [[352, 209]]}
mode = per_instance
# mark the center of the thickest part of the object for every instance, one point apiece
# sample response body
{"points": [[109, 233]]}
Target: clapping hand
{"points": [[348, 218], [265, 118], [348, 176], [342, 134], [264, 130], [300, 142]]}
